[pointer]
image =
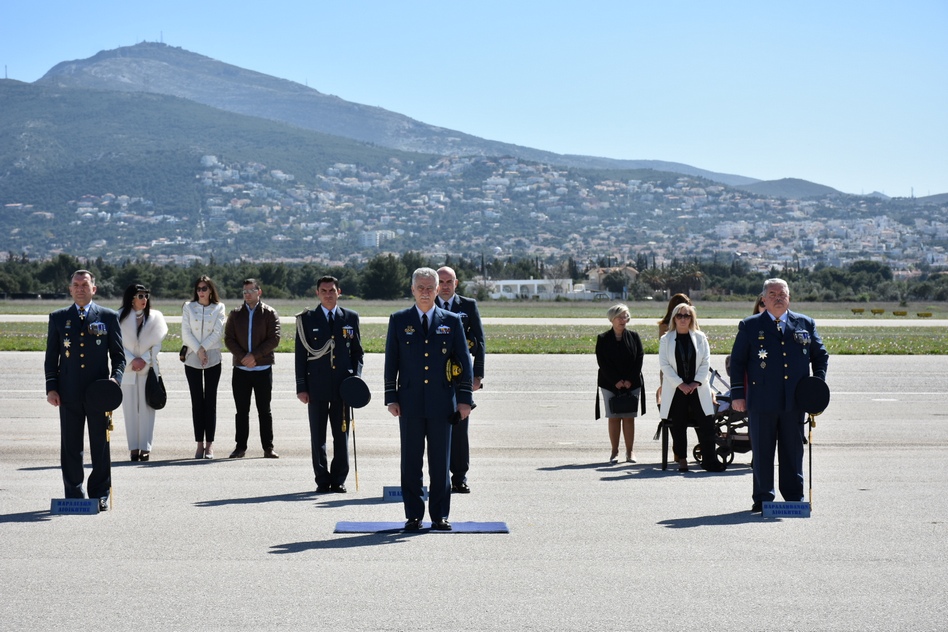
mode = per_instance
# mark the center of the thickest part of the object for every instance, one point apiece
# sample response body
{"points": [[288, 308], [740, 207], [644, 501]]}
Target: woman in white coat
{"points": [[685, 359], [143, 330], [202, 331]]}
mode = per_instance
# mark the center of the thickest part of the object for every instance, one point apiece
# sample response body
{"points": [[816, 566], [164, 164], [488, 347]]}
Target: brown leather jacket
{"points": [[266, 333]]}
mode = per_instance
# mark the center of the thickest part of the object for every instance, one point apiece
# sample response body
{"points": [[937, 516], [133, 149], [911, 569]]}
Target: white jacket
{"points": [[145, 344], [202, 327], [669, 366]]}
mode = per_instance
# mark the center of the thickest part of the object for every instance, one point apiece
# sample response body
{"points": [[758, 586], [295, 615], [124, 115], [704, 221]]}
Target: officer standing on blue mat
{"points": [[82, 341], [772, 352], [422, 343], [466, 308], [328, 350]]}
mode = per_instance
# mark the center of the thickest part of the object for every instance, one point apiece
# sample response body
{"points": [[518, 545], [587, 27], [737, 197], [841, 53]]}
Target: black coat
{"points": [[619, 359], [322, 377]]}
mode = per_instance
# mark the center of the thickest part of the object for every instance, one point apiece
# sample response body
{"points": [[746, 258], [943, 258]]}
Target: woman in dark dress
{"points": [[685, 358], [619, 354]]}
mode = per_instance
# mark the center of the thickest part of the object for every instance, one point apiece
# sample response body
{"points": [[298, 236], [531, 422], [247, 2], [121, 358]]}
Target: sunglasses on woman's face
{"points": [[141, 297], [203, 288], [683, 316]]}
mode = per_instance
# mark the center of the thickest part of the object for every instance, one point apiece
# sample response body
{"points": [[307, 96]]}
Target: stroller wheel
{"points": [[727, 456], [697, 453]]}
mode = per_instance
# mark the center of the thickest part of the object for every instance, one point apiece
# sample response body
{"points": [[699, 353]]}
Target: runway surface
{"points": [[246, 544]]}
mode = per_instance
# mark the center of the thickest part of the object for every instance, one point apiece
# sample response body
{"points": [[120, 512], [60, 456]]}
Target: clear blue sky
{"points": [[851, 94]]}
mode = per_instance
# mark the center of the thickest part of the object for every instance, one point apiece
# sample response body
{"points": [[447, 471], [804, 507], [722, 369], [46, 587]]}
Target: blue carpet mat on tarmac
{"points": [[385, 527]]}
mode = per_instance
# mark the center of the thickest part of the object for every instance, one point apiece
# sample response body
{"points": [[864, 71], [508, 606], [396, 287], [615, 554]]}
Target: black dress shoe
{"points": [[144, 456], [413, 524], [323, 489], [713, 466], [757, 508], [441, 525], [339, 489], [104, 503], [461, 488], [237, 454]]}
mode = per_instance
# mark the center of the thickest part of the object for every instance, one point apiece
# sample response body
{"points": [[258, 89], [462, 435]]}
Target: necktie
{"points": [[424, 324], [82, 313], [331, 321]]}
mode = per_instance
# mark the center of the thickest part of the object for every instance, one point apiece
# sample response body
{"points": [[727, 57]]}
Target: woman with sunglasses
{"points": [[685, 359], [143, 330], [202, 331]]}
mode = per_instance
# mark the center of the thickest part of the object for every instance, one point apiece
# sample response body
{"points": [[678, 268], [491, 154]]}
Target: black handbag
{"points": [[183, 354], [625, 401], [155, 394]]}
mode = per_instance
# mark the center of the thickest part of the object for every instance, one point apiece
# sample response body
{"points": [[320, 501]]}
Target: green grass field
{"points": [[537, 309], [552, 339]]}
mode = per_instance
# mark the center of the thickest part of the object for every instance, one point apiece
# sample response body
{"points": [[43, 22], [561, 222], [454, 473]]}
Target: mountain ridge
{"points": [[172, 70]]}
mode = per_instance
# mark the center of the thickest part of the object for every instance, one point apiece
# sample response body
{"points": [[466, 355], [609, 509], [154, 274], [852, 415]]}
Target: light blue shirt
{"points": [[259, 367]]}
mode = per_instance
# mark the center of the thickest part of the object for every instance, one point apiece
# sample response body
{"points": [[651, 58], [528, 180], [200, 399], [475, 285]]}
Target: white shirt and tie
{"points": [[425, 318]]}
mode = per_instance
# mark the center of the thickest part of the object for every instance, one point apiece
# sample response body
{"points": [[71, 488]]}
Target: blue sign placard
{"points": [[786, 510], [394, 493], [74, 506]]}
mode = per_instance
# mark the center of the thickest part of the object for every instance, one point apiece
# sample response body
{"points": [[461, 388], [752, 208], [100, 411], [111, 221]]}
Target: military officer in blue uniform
{"points": [[772, 352], [328, 350], [466, 308], [83, 340], [423, 342]]}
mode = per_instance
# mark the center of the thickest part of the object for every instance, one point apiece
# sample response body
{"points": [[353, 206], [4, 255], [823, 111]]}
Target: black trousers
{"points": [[203, 386], [415, 432], [460, 452], [319, 413], [72, 423], [686, 410], [258, 384]]}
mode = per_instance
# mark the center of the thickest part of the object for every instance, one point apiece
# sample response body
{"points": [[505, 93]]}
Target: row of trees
{"points": [[861, 281], [388, 277], [384, 277]]}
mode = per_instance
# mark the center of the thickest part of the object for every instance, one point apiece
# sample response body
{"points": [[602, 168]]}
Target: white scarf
{"points": [[138, 344]]}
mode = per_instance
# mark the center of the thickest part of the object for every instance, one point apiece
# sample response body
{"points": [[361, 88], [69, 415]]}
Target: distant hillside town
{"points": [[476, 206]]}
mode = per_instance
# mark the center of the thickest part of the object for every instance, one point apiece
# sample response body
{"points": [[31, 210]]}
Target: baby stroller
{"points": [[731, 434]]}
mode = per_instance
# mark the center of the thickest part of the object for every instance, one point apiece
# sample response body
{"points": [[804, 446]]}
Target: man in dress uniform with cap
{"points": [[83, 340], [772, 352], [328, 350], [466, 308], [422, 344]]}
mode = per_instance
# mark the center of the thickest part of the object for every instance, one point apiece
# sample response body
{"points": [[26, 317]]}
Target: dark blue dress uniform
{"points": [[766, 366], [466, 308], [418, 379], [320, 375], [79, 352]]}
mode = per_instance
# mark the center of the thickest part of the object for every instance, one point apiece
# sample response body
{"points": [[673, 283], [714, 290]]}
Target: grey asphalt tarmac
{"points": [[246, 544]]}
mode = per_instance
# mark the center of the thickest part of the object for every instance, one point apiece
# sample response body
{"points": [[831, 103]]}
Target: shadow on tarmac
{"points": [[294, 497], [27, 516], [734, 518], [395, 536]]}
